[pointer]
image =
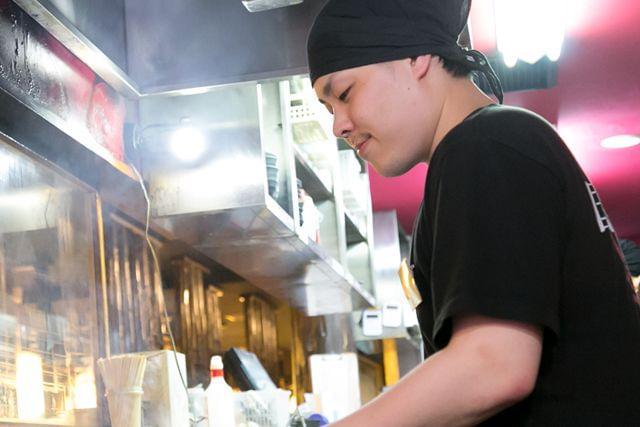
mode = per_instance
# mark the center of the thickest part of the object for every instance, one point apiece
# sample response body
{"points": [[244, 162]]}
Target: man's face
{"points": [[382, 112]]}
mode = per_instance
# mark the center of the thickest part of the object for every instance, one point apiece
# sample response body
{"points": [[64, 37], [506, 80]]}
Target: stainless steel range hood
{"points": [[221, 204], [144, 47]]}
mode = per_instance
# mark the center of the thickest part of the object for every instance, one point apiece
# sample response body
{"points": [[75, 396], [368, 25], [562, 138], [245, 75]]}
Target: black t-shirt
{"points": [[511, 228]]}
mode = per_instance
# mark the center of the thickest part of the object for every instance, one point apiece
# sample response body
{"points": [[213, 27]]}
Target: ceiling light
{"points": [[187, 144], [530, 29], [620, 141]]}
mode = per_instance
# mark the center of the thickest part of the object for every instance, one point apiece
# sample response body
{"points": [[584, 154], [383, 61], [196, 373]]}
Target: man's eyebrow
{"points": [[326, 90]]}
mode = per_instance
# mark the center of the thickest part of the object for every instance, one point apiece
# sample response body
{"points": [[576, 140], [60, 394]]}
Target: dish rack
{"points": [[266, 408]]}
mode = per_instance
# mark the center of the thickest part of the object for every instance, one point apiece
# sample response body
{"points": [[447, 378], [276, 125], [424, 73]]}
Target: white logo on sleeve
{"points": [[601, 216]]}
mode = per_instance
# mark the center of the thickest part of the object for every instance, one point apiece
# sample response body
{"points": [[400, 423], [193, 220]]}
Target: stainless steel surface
{"points": [[199, 331], [331, 334], [97, 38], [338, 335], [220, 205], [387, 283], [146, 47], [269, 255], [355, 234], [174, 45], [101, 21], [359, 263], [231, 174], [359, 244], [387, 256], [135, 306], [262, 335], [262, 5]]}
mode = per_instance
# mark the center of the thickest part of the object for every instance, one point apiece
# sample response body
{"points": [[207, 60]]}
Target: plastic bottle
{"points": [[220, 399]]}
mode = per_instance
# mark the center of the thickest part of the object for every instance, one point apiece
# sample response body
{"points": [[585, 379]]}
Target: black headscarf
{"points": [[352, 33]]}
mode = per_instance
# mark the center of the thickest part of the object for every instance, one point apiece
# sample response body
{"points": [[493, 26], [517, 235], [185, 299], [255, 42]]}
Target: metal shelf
{"points": [[354, 233], [272, 256], [311, 182]]}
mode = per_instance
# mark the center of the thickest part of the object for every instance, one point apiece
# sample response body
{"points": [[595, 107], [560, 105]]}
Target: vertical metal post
{"points": [[103, 276]]}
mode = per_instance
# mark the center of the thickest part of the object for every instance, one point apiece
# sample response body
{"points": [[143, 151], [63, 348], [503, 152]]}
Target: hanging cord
{"points": [[157, 266]]}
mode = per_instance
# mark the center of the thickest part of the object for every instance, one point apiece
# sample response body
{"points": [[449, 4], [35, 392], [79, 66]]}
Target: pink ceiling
{"points": [[598, 95]]}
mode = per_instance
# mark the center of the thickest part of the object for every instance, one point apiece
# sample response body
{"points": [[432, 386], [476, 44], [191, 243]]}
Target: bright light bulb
{"points": [[620, 141], [84, 390], [510, 60], [530, 29], [29, 386], [187, 144]]}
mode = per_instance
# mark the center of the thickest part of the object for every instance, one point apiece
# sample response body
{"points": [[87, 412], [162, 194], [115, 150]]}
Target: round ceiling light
{"points": [[187, 144], [620, 141]]}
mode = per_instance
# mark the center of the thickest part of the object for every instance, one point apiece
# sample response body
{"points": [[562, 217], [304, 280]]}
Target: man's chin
{"points": [[389, 171]]}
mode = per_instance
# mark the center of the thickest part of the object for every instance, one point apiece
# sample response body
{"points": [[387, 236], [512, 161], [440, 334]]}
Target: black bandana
{"points": [[352, 33]]}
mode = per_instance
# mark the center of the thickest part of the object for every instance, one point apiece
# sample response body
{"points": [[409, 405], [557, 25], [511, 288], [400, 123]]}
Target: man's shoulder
{"points": [[509, 124], [495, 127]]}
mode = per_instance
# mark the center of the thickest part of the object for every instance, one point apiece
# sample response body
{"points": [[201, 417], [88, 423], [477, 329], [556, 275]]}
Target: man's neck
{"points": [[463, 98]]}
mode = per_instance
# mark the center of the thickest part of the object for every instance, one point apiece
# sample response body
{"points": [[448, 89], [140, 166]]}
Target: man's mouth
{"points": [[361, 144]]}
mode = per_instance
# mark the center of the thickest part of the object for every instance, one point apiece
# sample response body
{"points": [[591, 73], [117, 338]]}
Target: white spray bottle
{"points": [[220, 399]]}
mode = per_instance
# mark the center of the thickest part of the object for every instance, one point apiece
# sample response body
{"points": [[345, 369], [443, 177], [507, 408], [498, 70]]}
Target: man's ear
{"points": [[420, 65]]}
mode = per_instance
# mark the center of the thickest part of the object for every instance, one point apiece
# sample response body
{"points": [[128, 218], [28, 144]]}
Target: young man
{"points": [[528, 314]]}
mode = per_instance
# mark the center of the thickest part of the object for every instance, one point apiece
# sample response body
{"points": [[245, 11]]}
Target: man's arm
{"points": [[488, 365]]}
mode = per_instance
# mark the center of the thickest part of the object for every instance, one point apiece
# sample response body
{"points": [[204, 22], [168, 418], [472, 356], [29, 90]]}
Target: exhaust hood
{"points": [[223, 205]]}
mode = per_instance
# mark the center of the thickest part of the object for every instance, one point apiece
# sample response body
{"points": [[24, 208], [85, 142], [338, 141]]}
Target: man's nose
{"points": [[342, 126]]}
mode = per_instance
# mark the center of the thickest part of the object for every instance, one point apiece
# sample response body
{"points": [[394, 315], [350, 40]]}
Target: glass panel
{"points": [[134, 290], [197, 324], [262, 333], [48, 325], [359, 264]]}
